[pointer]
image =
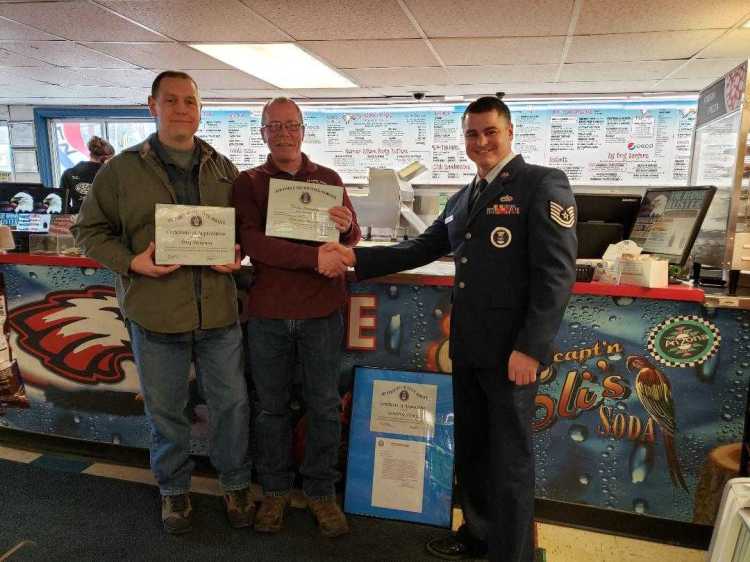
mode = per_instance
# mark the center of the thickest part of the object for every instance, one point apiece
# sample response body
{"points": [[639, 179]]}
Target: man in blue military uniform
{"points": [[513, 237]]}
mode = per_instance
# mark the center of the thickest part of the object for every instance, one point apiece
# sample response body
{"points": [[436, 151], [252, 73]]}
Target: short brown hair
{"points": [[485, 104], [170, 74], [99, 148]]}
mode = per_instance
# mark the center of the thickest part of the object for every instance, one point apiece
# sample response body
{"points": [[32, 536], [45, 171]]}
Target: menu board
{"points": [[627, 143]]}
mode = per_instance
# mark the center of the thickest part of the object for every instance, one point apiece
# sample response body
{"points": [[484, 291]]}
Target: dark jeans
{"points": [[495, 460], [275, 348]]}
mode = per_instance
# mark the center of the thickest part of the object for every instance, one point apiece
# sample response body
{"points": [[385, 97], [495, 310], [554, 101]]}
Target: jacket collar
{"points": [[497, 186], [270, 167], [508, 171], [145, 148]]}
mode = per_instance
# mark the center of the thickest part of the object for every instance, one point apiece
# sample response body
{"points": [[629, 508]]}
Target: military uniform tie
{"points": [[478, 189]]}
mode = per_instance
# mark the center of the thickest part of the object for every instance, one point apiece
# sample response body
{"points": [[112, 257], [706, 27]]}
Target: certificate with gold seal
{"points": [[299, 210], [194, 235]]}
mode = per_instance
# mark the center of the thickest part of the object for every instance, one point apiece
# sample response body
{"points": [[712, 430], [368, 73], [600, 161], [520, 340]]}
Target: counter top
{"points": [[439, 273], [48, 259]]}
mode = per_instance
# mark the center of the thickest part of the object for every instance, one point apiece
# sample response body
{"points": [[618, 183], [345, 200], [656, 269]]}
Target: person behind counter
{"points": [[512, 233], [176, 314], [78, 179], [294, 315]]}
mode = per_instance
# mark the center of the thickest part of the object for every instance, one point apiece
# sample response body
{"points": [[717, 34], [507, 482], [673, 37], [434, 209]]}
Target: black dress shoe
{"points": [[457, 546]]}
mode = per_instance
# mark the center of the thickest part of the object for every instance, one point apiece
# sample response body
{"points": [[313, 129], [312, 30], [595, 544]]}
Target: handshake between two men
{"points": [[334, 259]]}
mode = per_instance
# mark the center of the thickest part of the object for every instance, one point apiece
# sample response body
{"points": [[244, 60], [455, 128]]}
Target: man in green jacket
{"points": [[175, 314]]}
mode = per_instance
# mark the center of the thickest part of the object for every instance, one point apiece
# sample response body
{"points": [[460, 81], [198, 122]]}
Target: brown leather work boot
{"points": [[240, 508], [175, 513], [330, 518], [270, 516]]}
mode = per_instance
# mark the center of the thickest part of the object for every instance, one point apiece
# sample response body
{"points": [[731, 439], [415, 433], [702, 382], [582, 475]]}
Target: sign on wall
{"points": [[609, 144]]}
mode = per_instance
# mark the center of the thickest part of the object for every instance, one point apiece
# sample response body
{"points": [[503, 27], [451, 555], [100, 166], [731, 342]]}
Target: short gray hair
{"points": [[280, 99]]}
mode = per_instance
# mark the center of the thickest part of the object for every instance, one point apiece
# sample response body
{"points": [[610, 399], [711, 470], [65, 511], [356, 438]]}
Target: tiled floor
{"points": [[561, 544], [564, 544]]}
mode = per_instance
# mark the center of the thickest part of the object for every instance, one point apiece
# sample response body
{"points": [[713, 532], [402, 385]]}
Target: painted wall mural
{"points": [[640, 400]]}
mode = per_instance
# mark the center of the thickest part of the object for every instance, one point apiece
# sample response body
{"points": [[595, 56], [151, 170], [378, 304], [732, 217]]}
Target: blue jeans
{"points": [[275, 347], [163, 362]]}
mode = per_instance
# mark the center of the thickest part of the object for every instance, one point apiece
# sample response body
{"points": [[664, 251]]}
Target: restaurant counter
{"points": [[637, 374]]}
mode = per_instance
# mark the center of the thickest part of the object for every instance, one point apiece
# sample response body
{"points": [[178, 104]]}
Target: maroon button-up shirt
{"points": [[286, 284]]}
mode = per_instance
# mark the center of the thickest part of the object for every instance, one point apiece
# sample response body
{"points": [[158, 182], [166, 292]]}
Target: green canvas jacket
{"points": [[116, 222]]}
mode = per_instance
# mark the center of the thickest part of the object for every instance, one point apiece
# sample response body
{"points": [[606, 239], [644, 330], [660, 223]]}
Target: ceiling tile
{"points": [[159, 55], [11, 78], [734, 44], [616, 16], [244, 94], [501, 74], [203, 20], [25, 100], [706, 68], [91, 92], [111, 92], [227, 80], [64, 53], [470, 91], [640, 46], [683, 85], [78, 21], [415, 76], [313, 93], [10, 59], [372, 53], [56, 76], [130, 78], [493, 18], [11, 30], [615, 86], [495, 50], [334, 20], [619, 71]]}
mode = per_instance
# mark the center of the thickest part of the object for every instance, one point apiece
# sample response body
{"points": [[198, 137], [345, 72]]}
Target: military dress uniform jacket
{"points": [[515, 253]]}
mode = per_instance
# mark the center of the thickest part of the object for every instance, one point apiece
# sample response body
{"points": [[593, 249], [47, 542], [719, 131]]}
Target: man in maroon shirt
{"points": [[294, 316]]}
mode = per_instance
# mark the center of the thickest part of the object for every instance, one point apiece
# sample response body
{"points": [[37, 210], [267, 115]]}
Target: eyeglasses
{"points": [[276, 126]]}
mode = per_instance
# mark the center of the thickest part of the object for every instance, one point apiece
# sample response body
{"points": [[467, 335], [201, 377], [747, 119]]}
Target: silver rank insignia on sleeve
{"points": [[564, 216]]}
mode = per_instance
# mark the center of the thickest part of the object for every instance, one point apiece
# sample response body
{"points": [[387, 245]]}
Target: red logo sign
{"points": [[74, 334]]}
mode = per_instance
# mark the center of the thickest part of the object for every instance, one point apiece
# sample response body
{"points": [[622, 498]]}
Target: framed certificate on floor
{"points": [[400, 462]]}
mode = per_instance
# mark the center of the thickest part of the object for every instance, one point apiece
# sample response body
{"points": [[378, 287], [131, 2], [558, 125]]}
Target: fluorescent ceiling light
{"points": [[282, 64], [746, 24]]}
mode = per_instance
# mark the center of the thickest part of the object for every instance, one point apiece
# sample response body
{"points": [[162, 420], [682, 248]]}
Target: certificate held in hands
{"points": [[194, 235], [299, 210]]}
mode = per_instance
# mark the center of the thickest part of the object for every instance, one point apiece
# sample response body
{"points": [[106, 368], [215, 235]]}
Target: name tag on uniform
{"points": [[448, 219]]}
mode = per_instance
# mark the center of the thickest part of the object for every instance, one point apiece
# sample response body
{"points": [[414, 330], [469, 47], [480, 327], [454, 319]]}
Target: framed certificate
{"points": [[194, 235], [401, 446], [299, 210]]}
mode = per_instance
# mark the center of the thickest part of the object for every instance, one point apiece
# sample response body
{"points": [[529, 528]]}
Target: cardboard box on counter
{"points": [[645, 271]]}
